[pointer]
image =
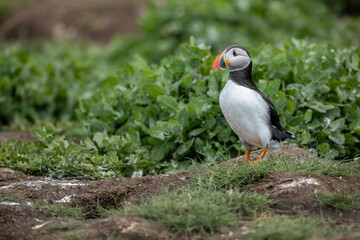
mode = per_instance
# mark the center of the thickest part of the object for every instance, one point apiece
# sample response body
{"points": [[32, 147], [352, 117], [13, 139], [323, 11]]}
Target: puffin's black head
{"points": [[234, 57]]}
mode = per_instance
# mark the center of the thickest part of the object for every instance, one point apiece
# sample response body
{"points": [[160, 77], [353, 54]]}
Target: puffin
{"points": [[248, 111]]}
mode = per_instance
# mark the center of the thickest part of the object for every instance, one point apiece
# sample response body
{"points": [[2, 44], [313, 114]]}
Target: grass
{"points": [[340, 201], [58, 210], [218, 197], [73, 236], [244, 175], [68, 224], [199, 209], [284, 228], [11, 198]]}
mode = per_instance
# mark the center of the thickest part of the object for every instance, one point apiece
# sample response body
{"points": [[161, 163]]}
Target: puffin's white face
{"points": [[236, 59], [232, 59]]}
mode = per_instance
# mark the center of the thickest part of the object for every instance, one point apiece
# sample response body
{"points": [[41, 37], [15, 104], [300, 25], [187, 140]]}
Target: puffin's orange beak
{"points": [[215, 65]]}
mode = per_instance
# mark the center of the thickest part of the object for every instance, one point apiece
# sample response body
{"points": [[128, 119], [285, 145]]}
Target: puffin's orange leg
{"points": [[261, 156], [247, 155]]}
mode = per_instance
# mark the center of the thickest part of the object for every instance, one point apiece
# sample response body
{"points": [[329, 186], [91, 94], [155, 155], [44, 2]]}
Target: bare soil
{"points": [[21, 218], [25, 137], [295, 195], [93, 20]]}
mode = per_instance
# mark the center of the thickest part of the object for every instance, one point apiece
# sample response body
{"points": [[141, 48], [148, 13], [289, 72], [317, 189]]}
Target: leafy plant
{"points": [[153, 119], [173, 109], [220, 23], [47, 84]]}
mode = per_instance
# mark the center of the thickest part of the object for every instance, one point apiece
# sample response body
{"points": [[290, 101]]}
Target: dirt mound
{"points": [[117, 227], [296, 194], [350, 236], [16, 221], [20, 194], [93, 20], [112, 192], [288, 152]]}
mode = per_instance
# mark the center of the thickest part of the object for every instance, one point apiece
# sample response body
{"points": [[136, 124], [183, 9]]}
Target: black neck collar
{"points": [[243, 77]]}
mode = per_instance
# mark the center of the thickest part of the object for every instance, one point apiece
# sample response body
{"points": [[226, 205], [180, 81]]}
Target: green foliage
{"points": [[340, 201], [46, 84], [60, 158], [250, 22], [198, 209], [283, 228], [153, 119], [169, 112], [172, 111]]}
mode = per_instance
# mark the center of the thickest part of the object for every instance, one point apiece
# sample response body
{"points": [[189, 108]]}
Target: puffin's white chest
{"points": [[247, 114]]}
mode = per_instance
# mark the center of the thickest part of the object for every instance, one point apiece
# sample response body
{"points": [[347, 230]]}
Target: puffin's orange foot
{"points": [[247, 155], [235, 164], [260, 157]]}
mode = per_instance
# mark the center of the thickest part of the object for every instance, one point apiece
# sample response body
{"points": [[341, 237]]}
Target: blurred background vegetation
{"points": [[117, 77]]}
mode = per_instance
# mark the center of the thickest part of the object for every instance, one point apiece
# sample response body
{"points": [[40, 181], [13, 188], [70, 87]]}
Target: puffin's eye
{"points": [[234, 53]]}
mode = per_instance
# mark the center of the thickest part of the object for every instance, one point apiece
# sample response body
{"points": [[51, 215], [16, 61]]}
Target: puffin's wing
{"points": [[274, 117], [277, 131]]}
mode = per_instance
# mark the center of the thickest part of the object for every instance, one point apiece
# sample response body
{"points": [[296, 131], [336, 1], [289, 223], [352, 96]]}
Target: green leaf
{"points": [[185, 147], [196, 132], [337, 124], [337, 137], [290, 107], [155, 92], [39, 134], [160, 150], [308, 115], [305, 138], [99, 138], [182, 118], [168, 103], [158, 132]]}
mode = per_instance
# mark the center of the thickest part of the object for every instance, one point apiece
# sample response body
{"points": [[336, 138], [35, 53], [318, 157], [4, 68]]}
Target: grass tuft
{"points": [[198, 209], [340, 201], [69, 224], [58, 210], [73, 236], [11, 198], [225, 177], [284, 228], [244, 175]]}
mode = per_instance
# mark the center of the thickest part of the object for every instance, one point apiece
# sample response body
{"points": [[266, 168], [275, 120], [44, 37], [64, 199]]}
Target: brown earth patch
{"points": [[25, 137], [123, 227], [350, 236], [93, 20], [105, 193], [18, 218], [296, 194], [19, 221]]}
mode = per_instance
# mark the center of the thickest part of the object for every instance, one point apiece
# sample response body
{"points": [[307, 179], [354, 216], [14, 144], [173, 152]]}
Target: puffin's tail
{"points": [[279, 135], [291, 135]]}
